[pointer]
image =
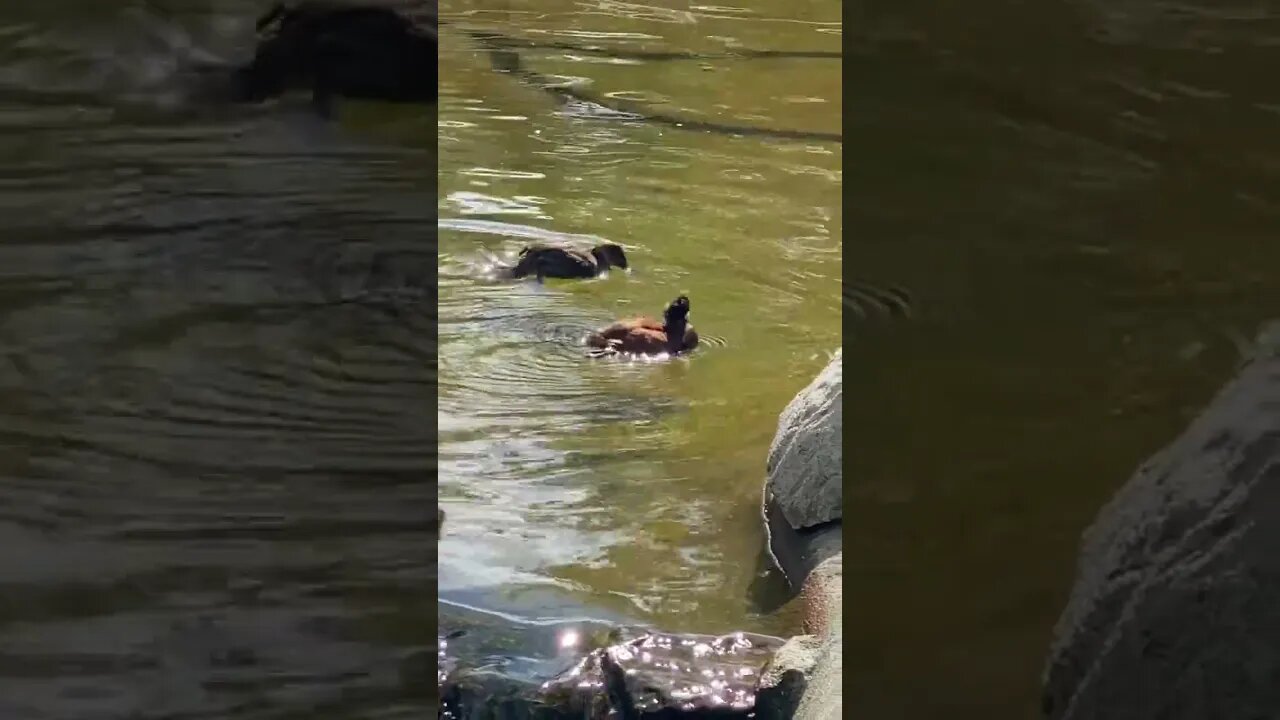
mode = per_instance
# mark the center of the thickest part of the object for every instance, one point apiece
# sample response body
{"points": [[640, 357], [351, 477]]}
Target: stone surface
{"points": [[1175, 613], [797, 552], [824, 615], [802, 506], [804, 469], [655, 675], [803, 681], [783, 683]]}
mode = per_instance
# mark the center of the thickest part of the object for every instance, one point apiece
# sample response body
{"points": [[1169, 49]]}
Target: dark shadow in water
{"points": [[217, 384], [769, 590], [504, 57]]}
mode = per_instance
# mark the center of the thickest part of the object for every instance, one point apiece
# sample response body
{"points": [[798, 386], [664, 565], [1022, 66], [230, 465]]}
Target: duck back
{"points": [[642, 335], [549, 261]]}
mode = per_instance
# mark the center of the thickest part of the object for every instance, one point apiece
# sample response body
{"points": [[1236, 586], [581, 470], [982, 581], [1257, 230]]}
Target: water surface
{"points": [[1083, 199], [214, 481], [605, 488]]}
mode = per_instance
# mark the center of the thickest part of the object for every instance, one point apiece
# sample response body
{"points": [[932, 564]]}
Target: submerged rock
{"points": [[655, 675], [1175, 613]]}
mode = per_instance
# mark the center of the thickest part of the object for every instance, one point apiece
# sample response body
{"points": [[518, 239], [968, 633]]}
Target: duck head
{"points": [[609, 255], [675, 320]]}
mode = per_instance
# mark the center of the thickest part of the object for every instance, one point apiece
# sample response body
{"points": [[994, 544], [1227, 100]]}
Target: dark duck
{"points": [[645, 336], [364, 52], [543, 261]]}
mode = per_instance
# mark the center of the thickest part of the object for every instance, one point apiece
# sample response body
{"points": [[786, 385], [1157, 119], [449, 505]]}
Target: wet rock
{"points": [[783, 682], [802, 508], [655, 675], [803, 679], [1175, 613], [797, 552], [804, 465], [824, 617], [803, 498]]}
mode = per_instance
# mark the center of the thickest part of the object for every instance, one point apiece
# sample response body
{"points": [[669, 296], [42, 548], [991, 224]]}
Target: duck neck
{"points": [[674, 329], [602, 262]]}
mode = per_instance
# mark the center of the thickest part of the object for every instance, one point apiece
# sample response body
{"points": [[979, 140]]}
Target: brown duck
{"points": [[561, 262], [646, 336]]}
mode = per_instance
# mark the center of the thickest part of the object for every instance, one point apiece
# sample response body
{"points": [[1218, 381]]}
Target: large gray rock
{"points": [[803, 680], [1176, 609], [802, 498], [804, 471], [802, 507]]}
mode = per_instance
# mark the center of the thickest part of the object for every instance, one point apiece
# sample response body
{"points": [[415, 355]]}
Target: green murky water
{"points": [[1083, 199], [630, 489], [215, 495]]}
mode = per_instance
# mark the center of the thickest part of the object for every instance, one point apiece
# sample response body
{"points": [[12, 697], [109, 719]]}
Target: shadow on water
{"points": [[216, 348], [505, 57], [1082, 197]]}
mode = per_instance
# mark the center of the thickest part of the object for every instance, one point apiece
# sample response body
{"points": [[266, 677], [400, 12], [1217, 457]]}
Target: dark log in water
{"points": [[505, 58]]}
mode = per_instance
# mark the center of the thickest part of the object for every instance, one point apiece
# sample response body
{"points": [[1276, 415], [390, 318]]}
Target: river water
{"points": [[214, 477], [1083, 198], [629, 490], [215, 497]]}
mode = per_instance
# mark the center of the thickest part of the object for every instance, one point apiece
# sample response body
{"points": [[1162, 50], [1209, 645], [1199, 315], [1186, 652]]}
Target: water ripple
{"points": [[214, 456]]}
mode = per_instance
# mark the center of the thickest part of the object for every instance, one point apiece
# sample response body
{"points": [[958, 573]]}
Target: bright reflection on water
{"points": [[629, 487]]}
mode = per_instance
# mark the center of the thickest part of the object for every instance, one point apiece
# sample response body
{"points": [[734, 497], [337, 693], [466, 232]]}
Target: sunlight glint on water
{"points": [[626, 486]]}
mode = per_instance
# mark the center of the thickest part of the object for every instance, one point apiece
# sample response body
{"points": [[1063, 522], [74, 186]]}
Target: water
{"points": [[214, 488], [1082, 199], [610, 489], [212, 475]]}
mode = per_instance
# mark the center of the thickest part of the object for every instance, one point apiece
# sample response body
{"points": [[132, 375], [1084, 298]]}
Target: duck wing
{"points": [[644, 322], [533, 257], [554, 262], [645, 341], [639, 335]]}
